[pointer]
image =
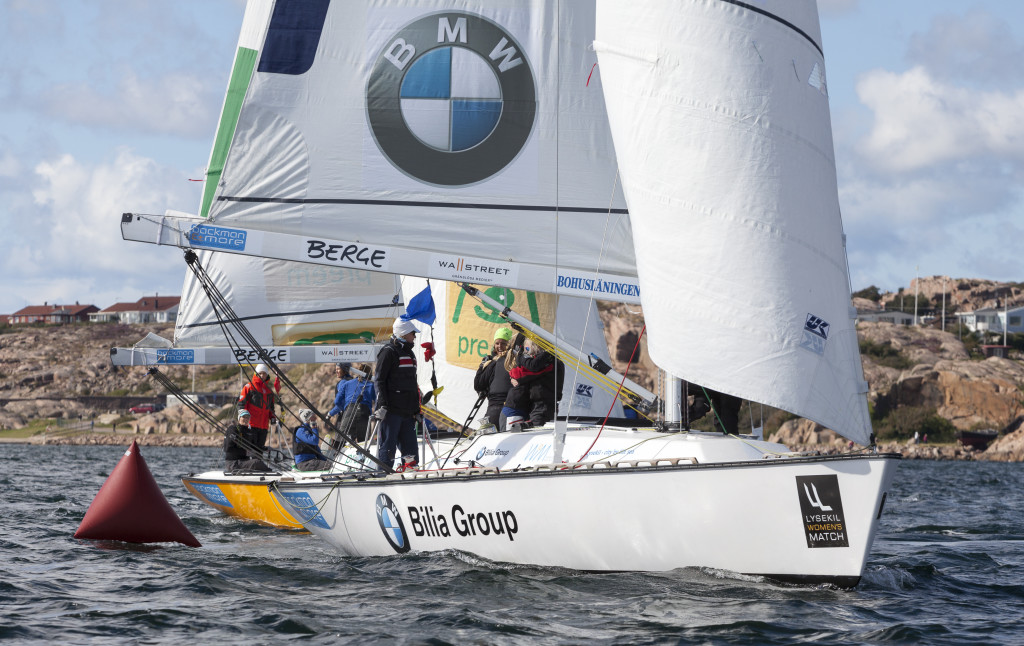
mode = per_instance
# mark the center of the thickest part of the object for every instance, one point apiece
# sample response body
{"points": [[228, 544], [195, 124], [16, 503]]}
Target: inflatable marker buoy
{"points": [[130, 507]]}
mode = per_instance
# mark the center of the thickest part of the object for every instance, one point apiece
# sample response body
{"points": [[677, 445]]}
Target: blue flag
{"points": [[421, 307]]}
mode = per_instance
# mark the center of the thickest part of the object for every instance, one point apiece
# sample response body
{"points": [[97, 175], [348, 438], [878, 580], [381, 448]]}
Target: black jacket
{"points": [[540, 379], [492, 379], [236, 440], [396, 378]]}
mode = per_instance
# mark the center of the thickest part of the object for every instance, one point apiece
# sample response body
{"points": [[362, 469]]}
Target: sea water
{"points": [[946, 568]]}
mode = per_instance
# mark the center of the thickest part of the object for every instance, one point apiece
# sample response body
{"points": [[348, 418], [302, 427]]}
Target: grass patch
{"points": [[884, 354], [901, 424], [19, 433], [34, 427]]}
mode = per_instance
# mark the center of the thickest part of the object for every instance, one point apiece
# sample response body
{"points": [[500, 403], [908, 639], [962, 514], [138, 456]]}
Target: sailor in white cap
{"points": [[398, 398]]}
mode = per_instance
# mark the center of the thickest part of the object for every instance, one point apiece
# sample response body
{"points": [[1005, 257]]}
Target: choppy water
{"points": [[946, 569]]}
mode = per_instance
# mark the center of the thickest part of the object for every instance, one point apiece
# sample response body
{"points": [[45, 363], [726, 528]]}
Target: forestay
{"points": [[719, 112], [423, 140]]}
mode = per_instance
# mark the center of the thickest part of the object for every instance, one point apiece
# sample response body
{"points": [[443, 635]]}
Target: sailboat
{"points": [[692, 172]]}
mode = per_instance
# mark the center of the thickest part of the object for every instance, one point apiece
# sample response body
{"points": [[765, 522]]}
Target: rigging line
{"points": [[173, 388], [318, 506], [217, 298], [605, 421], [558, 201], [601, 380]]}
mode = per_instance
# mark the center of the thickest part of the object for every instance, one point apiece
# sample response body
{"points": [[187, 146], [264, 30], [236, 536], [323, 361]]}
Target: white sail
{"points": [[490, 163], [464, 330], [297, 312], [720, 118], [290, 304]]}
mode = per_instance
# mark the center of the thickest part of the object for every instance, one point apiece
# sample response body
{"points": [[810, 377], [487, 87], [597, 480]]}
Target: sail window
{"points": [[293, 36], [816, 79]]}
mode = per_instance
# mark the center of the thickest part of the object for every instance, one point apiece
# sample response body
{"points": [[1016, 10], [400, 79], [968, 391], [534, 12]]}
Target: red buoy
{"points": [[130, 507]]}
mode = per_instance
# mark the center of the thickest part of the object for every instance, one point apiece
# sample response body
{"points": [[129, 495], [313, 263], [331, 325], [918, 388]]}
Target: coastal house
{"points": [[992, 319], [53, 314], [148, 309], [874, 313]]}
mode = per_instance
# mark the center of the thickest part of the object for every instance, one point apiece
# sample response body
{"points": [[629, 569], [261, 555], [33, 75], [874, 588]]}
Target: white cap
{"points": [[403, 327], [243, 414], [262, 368], [305, 415]]}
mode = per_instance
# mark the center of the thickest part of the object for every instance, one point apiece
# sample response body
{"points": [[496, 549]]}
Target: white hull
{"points": [[747, 515]]}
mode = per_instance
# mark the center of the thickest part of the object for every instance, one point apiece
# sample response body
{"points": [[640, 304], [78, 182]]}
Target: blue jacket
{"points": [[356, 390], [339, 406], [307, 444]]}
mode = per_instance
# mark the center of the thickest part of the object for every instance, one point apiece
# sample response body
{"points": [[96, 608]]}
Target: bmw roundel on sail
{"points": [[451, 99]]}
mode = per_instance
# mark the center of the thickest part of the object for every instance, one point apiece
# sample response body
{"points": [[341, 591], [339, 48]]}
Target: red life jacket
{"points": [[258, 399]]}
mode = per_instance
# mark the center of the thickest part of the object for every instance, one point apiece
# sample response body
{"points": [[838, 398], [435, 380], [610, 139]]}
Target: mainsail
{"points": [[490, 163], [720, 117]]}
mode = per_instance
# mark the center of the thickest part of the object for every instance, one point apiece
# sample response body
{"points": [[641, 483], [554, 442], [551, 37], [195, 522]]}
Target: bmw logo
{"points": [[391, 524], [451, 99]]}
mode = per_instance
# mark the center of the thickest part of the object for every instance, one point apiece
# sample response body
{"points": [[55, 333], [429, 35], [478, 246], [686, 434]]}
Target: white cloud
{"points": [[173, 104], [70, 247], [920, 122]]}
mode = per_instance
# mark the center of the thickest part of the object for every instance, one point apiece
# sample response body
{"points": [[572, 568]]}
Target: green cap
{"points": [[504, 333]]}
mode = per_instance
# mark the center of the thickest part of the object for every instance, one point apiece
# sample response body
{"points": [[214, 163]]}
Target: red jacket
{"points": [[258, 399]]}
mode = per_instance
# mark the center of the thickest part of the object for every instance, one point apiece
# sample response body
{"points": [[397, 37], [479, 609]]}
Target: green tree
{"points": [[901, 424], [871, 293]]}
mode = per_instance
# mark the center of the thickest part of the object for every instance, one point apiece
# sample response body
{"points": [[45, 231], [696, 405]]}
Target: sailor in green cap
{"points": [[492, 380]]}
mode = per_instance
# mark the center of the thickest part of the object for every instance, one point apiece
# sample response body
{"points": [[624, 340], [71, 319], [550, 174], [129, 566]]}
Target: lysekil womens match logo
{"points": [[451, 99]]}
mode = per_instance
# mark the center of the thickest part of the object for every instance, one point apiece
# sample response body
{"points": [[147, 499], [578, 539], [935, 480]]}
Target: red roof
{"points": [[156, 303], [145, 304], [47, 310]]}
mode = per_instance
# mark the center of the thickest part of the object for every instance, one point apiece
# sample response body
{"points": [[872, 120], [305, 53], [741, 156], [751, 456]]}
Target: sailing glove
{"points": [[380, 412]]}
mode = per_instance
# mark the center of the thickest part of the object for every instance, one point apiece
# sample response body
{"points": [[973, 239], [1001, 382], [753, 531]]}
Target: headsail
{"points": [[413, 138], [299, 313], [721, 124]]}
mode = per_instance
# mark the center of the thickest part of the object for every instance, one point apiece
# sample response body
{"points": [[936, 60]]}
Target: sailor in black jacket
{"points": [[491, 379], [398, 398]]}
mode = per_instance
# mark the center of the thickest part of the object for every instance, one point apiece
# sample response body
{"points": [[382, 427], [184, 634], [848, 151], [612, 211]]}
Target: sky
{"points": [[110, 107]]}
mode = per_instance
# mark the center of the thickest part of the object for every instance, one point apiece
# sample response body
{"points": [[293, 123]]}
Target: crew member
{"points": [[307, 444], [358, 395], [258, 398], [491, 379], [238, 441], [398, 398]]}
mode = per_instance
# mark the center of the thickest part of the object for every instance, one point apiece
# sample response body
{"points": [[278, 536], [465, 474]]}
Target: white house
{"points": [[991, 319], [148, 309]]}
